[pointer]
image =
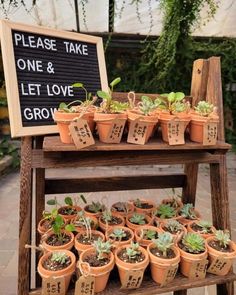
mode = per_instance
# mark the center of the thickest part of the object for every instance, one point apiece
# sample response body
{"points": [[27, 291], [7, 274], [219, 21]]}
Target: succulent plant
{"points": [[107, 216], [165, 211], [194, 243], [187, 211], [204, 108], [102, 248], [205, 226], [96, 207], [60, 257], [138, 203], [58, 226], [138, 218], [133, 251], [164, 242], [223, 237], [147, 105], [174, 102], [50, 215], [173, 226], [118, 233], [148, 234]]}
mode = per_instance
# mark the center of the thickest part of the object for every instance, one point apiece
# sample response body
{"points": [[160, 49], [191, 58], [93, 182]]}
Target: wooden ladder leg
{"points": [[220, 208], [189, 194], [24, 259]]}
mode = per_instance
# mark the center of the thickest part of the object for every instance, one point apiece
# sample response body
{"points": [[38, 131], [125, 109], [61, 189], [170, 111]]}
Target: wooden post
{"points": [[24, 260]]}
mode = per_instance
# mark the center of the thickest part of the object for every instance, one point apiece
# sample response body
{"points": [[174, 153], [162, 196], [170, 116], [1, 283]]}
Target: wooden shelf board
{"points": [[53, 144], [149, 287]]}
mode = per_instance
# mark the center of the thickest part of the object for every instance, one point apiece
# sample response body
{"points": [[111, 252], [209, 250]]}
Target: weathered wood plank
{"points": [[25, 215], [190, 187], [149, 287], [118, 183]]}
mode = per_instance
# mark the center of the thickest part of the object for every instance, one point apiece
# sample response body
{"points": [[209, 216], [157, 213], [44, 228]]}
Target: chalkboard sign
{"points": [[40, 66]]}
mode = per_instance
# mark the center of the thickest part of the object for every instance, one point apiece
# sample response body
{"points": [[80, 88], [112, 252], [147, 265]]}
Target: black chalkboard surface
{"points": [[41, 65]]}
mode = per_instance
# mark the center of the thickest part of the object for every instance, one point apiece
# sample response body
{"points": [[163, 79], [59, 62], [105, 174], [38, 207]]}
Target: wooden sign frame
{"points": [[13, 97]]}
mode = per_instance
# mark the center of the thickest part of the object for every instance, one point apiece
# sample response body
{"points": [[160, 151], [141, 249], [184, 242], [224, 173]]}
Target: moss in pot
{"points": [[163, 254]]}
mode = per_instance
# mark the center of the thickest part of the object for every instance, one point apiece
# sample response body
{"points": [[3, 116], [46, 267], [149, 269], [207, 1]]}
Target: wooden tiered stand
{"points": [[41, 153]]}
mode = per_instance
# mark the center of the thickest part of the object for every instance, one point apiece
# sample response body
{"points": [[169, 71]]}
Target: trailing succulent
{"points": [[194, 243]]}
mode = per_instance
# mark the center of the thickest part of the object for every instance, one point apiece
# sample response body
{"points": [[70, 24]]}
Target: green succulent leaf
{"points": [[78, 85], [194, 243], [103, 95], [115, 82], [52, 202], [70, 227], [68, 201], [179, 96]]}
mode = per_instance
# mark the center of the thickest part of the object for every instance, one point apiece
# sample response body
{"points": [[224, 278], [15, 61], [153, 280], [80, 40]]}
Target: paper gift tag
{"points": [[169, 275], [198, 269], [209, 133], [133, 279], [85, 286], [219, 266], [116, 131], [137, 132], [176, 132], [81, 134], [53, 286]]}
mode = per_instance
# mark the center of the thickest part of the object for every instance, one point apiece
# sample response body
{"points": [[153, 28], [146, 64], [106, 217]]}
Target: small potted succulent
{"points": [[221, 246], [59, 237], [174, 201], [192, 249], [80, 222], [163, 254], [67, 113], [123, 208], [101, 262], [145, 234], [130, 257], [69, 211], [144, 206], [85, 238], [145, 112], [188, 214], [119, 236], [134, 220], [165, 212], [109, 219], [176, 229], [204, 112], [59, 263], [45, 224], [109, 110], [202, 227], [94, 209]]}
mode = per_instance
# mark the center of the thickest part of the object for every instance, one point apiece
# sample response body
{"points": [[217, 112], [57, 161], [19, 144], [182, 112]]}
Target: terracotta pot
{"points": [[197, 126], [64, 119], [104, 122], [185, 221], [176, 237], [129, 206], [165, 118], [91, 214], [151, 122], [229, 256], [148, 211], [143, 242], [160, 265], [123, 267], [66, 272], [117, 244], [71, 217], [80, 247], [134, 226], [169, 201], [205, 236], [188, 259], [100, 273], [66, 246], [104, 227], [41, 229], [81, 227]]}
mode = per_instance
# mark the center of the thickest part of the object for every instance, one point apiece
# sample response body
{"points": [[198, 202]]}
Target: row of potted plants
{"points": [[131, 241], [166, 108]]}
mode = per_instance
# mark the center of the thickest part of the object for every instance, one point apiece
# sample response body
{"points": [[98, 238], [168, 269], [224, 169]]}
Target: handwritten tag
{"points": [[81, 134], [220, 266], [116, 131], [176, 132], [138, 132], [209, 133], [85, 286], [133, 279], [198, 269], [169, 274], [53, 286]]}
